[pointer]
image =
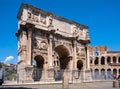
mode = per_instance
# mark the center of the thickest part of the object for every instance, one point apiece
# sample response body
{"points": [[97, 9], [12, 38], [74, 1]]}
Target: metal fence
{"points": [[39, 75]]}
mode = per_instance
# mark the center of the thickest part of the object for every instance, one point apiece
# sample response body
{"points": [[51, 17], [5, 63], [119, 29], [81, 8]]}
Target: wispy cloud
{"points": [[9, 58]]}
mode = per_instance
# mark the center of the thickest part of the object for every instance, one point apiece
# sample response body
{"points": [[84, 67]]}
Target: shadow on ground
{"points": [[16, 88]]}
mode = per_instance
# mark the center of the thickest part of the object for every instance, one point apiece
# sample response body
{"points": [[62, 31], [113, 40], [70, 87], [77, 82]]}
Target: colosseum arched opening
{"points": [[108, 60], [96, 62], [103, 61], [114, 59]]}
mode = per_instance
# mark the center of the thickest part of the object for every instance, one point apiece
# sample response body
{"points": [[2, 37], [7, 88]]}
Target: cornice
{"points": [[34, 9]]}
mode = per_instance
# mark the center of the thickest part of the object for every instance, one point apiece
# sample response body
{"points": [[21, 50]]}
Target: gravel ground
{"points": [[92, 85]]}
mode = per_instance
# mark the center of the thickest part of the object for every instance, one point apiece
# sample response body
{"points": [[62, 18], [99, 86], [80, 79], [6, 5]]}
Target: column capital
{"points": [[29, 32], [50, 36]]}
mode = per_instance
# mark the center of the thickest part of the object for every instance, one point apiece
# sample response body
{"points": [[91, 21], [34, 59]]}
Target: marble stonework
{"points": [[54, 42]]}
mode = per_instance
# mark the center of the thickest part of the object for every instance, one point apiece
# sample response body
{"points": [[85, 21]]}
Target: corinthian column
{"points": [[29, 46], [88, 59], [50, 51], [74, 56]]}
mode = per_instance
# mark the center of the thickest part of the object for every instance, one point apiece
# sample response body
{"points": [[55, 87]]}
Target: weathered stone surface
{"points": [[54, 43], [65, 82]]}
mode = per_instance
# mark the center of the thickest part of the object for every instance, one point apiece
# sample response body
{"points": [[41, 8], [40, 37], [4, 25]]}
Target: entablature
{"points": [[50, 22]]}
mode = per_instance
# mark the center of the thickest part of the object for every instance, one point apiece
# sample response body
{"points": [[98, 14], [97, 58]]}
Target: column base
{"points": [[50, 74], [28, 74], [88, 75]]}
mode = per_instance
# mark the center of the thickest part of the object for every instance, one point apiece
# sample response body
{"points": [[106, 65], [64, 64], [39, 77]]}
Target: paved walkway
{"points": [[92, 85]]}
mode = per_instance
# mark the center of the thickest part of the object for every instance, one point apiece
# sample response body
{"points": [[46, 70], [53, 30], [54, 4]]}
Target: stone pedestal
{"points": [[51, 74], [75, 76], [116, 84], [88, 76], [65, 82], [28, 74]]}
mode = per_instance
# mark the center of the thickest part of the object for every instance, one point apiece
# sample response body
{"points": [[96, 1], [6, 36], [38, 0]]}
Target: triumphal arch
{"points": [[50, 46]]}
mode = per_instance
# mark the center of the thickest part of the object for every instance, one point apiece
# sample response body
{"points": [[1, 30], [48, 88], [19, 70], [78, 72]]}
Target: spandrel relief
{"points": [[41, 45]]}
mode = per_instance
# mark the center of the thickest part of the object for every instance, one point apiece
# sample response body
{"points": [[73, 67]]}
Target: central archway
{"points": [[63, 54], [63, 58], [38, 67]]}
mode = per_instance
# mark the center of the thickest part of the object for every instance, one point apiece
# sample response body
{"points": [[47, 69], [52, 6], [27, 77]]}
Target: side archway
{"points": [[63, 54], [79, 64], [38, 65]]}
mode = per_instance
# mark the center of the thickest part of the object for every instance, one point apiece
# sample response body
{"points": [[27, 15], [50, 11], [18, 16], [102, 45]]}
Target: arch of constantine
{"points": [[50, 46]]}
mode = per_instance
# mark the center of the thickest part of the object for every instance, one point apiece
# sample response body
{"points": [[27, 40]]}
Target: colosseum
{"points": [[104, 64]]}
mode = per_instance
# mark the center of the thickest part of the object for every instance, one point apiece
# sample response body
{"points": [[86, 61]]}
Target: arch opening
{"points": [[79, 64], [79, 67], [38, 64], [114, 71], [108, 60], [114, 59], [119, 71], [119, 60], [63, 60], [102, 61], [96, 74], [109, 74], [103, 74], [96, 62], [63, 54]]}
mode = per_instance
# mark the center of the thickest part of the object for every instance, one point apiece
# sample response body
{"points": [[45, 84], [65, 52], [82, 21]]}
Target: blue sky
{"points": [[101, 16]]}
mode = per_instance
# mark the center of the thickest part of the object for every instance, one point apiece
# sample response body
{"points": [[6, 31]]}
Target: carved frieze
{"points": [[36, 17], [32, 17]]}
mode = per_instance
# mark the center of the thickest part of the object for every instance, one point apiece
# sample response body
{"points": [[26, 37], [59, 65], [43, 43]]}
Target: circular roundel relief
{"points": [[43, 45]]}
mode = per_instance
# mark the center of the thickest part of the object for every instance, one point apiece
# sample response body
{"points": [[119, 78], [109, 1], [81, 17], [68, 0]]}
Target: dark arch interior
{"points": [[119, 60], [102, 60], [114, 71], [63, 53], [96, 73], [37, 73], [79, 64], [39, 61], [96, 61], [108, 60], [114, 59]]}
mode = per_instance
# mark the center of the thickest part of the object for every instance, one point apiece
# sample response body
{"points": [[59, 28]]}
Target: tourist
{"points": [[114, 76]]}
